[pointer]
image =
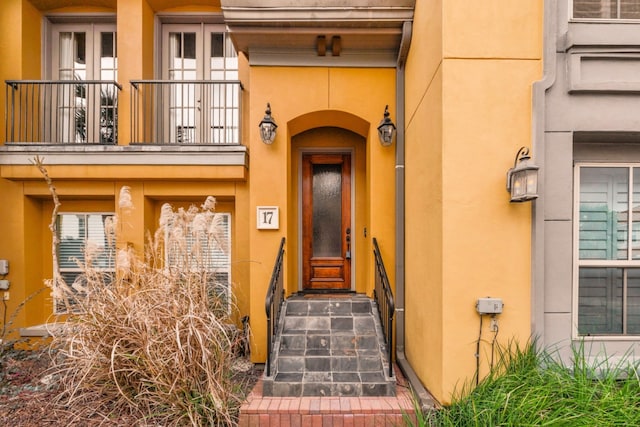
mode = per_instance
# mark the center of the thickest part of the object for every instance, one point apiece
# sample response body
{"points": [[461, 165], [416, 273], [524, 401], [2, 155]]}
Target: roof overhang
{"points": [[313, 32]]}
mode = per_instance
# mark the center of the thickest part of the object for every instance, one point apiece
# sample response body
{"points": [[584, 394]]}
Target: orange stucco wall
{"points": [[466, 121], [302, 98]]}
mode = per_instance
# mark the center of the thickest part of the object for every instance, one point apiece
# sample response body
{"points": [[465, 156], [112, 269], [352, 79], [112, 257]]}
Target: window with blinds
{"points": [[606, 9], [204, 252], [80, 234], [608, 242]]}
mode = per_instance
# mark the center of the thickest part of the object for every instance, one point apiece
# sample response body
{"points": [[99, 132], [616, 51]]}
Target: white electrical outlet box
{"points": [[489, 305], [4, 285], [4, 267]]}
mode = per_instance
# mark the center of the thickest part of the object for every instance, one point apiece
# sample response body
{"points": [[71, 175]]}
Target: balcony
{"points": [[86, 112], [193, 124], [62, 112], [188, 112]]}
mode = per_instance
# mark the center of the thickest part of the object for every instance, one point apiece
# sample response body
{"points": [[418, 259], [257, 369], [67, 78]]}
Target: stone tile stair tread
{"points": [[317, 377], [289, 376], [317, 352], [292, 352], [330, 347], [338, 377]]}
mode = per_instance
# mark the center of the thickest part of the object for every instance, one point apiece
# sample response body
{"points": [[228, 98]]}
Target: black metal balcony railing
{"points": [[273, 304], [185, 112], [384, 299], [61, 111]]}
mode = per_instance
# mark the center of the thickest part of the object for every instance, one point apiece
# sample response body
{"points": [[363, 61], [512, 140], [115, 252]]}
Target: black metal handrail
{"points": [[61, 111], [186, 112], [384, 299], [273, 303]]}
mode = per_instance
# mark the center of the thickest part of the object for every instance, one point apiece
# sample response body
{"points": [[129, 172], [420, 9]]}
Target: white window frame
{"points": [[577, 262], [58, 306]]}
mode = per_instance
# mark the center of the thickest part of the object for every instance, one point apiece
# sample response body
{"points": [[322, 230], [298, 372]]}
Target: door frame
{"points": [[354, 260]]}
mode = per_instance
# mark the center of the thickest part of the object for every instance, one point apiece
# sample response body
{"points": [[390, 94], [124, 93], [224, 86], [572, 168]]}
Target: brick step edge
{"points": [[262, 411], [321, 420]]}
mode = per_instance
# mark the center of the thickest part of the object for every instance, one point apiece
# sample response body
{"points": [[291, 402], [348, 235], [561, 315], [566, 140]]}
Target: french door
{"points": [[326, 221], [199, 58], [84, 112]]}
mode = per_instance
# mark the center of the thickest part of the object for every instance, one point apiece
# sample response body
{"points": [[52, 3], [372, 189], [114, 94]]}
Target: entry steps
{"points": [[329, 346]]}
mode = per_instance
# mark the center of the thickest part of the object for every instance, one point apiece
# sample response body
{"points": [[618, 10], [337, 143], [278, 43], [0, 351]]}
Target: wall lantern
{"points": [[268, 127], [386, 129], [522, 178]]}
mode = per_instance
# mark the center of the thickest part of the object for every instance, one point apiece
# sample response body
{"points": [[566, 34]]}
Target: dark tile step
{"points": [[327, 388], [336, 361], [332, 307], [335, 341], [336, 377], [298, 325]]}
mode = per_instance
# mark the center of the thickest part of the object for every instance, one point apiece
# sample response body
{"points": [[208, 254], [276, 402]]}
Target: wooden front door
{"points": [[326, 221]]}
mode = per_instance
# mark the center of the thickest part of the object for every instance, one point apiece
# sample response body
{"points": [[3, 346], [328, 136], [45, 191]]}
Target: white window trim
{"points": [[577, 263]]}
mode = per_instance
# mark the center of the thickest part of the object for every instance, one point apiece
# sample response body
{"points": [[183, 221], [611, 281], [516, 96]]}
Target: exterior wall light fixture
{"points": [[386, 129], [268, 127], [522, 178]]}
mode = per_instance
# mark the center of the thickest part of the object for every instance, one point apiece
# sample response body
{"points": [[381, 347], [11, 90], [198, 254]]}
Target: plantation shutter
{"points": [[600, 300], [207, 254], [633, 301], [218, 253], [72, 232], [602, 236], [220, 256], [604, 195], [606, 9]]}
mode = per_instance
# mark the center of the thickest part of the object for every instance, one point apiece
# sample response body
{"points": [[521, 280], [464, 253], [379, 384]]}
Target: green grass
{"points": [[530, 388]]}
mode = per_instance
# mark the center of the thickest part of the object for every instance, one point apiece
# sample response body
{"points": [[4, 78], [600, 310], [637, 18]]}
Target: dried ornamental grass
{"points": [[155, 341]]}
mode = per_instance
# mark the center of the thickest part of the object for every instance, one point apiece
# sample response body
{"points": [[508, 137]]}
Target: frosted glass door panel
{"points": [[327, 210]]}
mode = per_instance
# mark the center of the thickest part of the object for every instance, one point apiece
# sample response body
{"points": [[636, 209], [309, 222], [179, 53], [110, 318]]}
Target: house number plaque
{"points": [[268, 218]]}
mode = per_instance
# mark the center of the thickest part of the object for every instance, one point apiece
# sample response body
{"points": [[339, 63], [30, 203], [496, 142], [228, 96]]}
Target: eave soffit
{"points": [[296, 25]]}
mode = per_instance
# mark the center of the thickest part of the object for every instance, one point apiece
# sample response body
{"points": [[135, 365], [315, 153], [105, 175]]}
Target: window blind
{"points": [[606, 9], [79, 233]]}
